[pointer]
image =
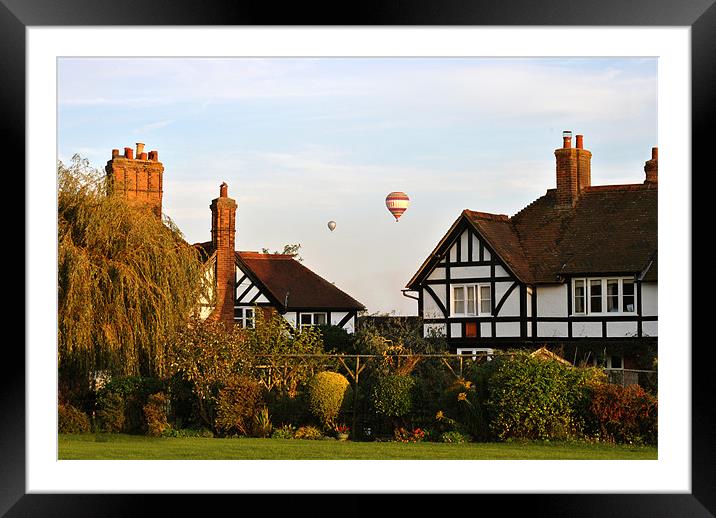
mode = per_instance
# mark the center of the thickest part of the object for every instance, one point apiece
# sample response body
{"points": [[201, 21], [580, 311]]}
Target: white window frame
{"points": [[477, 290], [474, 350], [604, 282], [243, 320], [609, 362], [313, 318]]}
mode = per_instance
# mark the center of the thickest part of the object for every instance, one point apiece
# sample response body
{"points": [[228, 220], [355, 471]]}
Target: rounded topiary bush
{"points": [[329, 394], [71, 419], [392, 395]]}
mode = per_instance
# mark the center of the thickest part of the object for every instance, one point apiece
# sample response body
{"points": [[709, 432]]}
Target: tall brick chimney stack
{"points": [[651, 167], [138, 179], [223, 238], [574, 170]]}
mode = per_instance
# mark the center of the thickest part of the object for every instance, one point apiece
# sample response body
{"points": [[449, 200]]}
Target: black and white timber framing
{"points": [[520, 313]]}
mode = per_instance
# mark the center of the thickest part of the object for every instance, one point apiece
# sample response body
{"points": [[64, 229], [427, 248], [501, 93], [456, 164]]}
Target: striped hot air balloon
{"points": [[397, 202]]}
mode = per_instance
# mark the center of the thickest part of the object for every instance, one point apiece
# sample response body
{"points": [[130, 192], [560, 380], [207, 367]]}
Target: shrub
{"points": [[308, 432], [110, 413], [460, 400], [237, 403], [262, 423], [534, 398], [622, 414], [156, 413], [286, 431], [71, 420], [403, 435], [329, 394], [454, 437], [392, 395], [131, 394]]}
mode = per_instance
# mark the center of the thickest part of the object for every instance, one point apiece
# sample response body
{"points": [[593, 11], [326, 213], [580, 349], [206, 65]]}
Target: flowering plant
{"points": [[403, 435], [342, 428]]}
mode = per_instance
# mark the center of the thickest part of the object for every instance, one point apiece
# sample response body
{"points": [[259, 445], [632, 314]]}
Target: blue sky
{"points": [[301, 141]]}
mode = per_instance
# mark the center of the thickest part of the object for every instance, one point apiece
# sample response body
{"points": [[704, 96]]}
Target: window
{"points": [[244, 317], [313, 319], [615, 362], [471, 299], [603, 295], [613, 295], [595, 296], [474, 351], [628, 295], [579, 297]]}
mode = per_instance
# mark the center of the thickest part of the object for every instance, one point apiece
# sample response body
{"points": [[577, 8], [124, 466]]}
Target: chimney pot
{"points": [[128, 153], [580, 141], [140, 148], [115, 153], [567, 138], [154, 155], [223, 190], [142, 156], [655, 153]]}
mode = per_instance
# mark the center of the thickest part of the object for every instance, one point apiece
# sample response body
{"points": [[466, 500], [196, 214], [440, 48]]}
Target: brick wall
{"points": [[138, 179], [223, 237]]}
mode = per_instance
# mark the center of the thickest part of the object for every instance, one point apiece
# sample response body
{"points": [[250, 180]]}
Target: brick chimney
{"points": [[574, 170], [138, 179], [223, 237], [651, 167]]}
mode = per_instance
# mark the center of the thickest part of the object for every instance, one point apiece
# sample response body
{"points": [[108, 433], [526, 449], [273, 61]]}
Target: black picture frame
{"points": [[17, 15]]}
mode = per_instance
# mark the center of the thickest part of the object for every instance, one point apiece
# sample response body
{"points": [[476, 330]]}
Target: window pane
{"points": [[595, 296], [628, 298], [616, 362], [612, 295], [579, 296], [319, 319], [471, 300], [459, 296], [306, 319], [485, 300]]}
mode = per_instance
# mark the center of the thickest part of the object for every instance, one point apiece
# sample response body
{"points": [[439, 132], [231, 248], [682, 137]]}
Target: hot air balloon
{"points": [[332, 225], [397, 202]]}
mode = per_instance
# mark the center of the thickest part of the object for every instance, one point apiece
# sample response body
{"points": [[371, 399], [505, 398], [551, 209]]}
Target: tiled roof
{"points": [[281, 274], [611, 229]]}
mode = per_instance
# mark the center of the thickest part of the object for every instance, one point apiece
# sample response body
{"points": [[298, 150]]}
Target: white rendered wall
{"points": [[587, 329], [430, 307], [649, 299], [552, 301], [501, 272], [507, 329], [437, 274], [486, 329], [464, 272], [456, 330], [337, 316], [511, 306], [551, 329], [649, 329], [619, 329]]}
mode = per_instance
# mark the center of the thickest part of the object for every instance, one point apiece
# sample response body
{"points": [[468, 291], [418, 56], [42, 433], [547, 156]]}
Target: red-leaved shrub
{"points": [[623, 414]]}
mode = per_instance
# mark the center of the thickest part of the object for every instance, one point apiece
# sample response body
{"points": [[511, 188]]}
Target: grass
{"points": [[118, 446]]}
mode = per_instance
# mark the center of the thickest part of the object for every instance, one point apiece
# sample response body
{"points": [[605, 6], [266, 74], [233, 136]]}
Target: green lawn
{"points": [[105, 446]]}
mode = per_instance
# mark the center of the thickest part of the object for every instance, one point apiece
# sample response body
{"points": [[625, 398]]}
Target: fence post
{"points": [[355, 397]]}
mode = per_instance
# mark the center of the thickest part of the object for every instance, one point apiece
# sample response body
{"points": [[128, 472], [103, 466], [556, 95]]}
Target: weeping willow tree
{"points": [[127, 281]]}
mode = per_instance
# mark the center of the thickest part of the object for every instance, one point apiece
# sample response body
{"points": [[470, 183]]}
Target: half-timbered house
{"points": [[576, 267], [238, 282], [242, 283]]}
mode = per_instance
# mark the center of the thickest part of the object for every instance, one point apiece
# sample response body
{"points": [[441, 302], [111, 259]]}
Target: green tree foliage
{"points": [[208, 355], [272, 339], [287, 250], [533, 398], [126, 280]]}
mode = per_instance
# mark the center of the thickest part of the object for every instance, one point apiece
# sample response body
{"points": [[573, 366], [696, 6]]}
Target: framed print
{"points": [[46, 45]]}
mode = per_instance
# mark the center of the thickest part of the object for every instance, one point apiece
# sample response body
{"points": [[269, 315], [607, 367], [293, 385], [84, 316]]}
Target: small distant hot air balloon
{"points": [[332, 225], [397, 202]]}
